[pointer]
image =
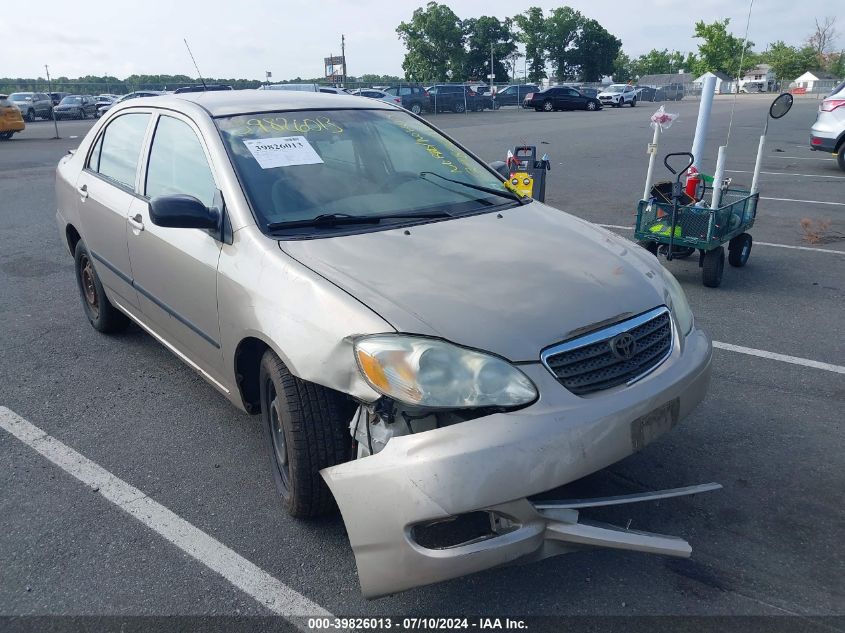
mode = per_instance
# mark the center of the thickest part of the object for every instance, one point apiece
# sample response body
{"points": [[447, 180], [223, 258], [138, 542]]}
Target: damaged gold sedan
{"points": [[424, 347]]}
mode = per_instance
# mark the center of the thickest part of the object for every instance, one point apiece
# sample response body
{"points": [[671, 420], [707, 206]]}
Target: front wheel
{"points": [[712, 267], [306, 429], [548, 106], [30, 115], [591, 106], [739, 250], [458, 107]]}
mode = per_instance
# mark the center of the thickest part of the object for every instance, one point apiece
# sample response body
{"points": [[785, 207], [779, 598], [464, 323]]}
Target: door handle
{"points": [[136, 222], [83, 191]]}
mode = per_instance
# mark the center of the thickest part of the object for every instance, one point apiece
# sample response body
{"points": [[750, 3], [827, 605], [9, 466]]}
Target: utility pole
{"points": [[343, 57], [52, 110]]}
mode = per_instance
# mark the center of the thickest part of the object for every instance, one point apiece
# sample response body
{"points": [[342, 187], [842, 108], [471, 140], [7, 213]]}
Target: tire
{"points": [[739, 250], [30, 115], [650, 246], [458, 107], [415, 108], [634, 102], [591, 106], [101, 314], [5, 136], [840, 157], [306, 429], [548, 106], [713, 267]]}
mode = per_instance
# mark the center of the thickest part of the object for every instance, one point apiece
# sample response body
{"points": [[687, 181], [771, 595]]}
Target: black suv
{"points": [[455, 98], [414, 98]]}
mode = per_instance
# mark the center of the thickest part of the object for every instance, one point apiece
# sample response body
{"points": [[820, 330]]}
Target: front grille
{"points": [[589, 363]]}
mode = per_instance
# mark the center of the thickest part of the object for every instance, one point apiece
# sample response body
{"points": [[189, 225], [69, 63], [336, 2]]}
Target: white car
{"points": [[617, 95], [381, 95], [828, 132]]}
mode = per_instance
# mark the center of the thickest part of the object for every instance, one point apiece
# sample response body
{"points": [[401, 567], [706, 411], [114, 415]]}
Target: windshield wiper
{"points": [[505, 193], [340, 219]]}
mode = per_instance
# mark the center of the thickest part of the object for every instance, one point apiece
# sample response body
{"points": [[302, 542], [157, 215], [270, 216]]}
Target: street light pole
{"points": [[52, 110]]}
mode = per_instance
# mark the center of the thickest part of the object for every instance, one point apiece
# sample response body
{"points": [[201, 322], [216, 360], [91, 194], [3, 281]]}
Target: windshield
{"points": [[295, 166], [21, 96], [615, 89], [71, 101]]}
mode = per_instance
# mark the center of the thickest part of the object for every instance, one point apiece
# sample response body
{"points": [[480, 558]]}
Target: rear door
{"points": [[175, 269], [106, 188]]}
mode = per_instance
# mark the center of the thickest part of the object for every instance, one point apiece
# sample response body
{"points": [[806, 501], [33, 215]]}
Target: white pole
{"points": [[652, 159], [708, 89], [716, 200], [758, 164]]}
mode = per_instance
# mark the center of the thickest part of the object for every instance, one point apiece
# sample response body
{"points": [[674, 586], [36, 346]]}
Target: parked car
{"points": [[76, 107], [589, 92], [617, 95], [105, 100], [205, 88], [454, 98], [671, 92], [56, 97], [828, 132], [647, 93], [304, 88], [414, 98], [514, 95], [338, 295], [381, 95], [11, 120], [101, 110], [561, 98], [33, 104]]}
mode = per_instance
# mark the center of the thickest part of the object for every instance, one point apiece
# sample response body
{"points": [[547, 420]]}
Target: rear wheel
{"points": [[840, 157], [712, 267], [634, 102], [30, 115], [102, 315], [306, 428], [739, 249], [458, 107], [415, 108]]}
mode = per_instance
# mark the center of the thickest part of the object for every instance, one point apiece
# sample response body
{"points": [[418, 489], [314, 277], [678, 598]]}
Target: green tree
{"points": [[532, 33], [789, 62], [482, 34], [562, 28], [721, 51], [435, 41], [622, 68], [595, 51]]}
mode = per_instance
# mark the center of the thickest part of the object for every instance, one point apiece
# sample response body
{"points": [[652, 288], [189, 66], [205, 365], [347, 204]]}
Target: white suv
{"points": [[617, 95], [828, 132]]}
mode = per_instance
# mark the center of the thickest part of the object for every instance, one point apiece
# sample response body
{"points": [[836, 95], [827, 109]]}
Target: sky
{"points": [[246, 38]]}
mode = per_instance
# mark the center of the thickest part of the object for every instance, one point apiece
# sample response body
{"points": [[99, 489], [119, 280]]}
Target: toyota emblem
{"points": [[623, 346]]}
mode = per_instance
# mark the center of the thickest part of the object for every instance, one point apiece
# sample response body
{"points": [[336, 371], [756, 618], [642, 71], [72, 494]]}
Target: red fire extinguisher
{"points": [[693, 179]]}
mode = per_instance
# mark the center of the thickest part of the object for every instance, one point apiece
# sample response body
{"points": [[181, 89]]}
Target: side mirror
{"points": [[182, 212], [781, 105], [500, 167]]}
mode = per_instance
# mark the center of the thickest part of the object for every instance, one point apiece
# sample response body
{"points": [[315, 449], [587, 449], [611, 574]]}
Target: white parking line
{"points": [[841, 204], [780, 173], [795, 360], [252, 580], [801, 157], [797, 248]]}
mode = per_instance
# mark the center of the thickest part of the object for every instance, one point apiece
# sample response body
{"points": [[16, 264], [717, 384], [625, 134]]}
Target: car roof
{"points": [[233, 102]]}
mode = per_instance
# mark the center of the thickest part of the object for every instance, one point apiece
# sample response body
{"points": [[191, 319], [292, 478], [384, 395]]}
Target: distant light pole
{"points": [[267, 75], [52, 109]]}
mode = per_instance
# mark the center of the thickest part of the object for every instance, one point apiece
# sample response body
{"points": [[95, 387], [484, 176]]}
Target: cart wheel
{"points": [[650, 246], [739, 249], [713, 267]]}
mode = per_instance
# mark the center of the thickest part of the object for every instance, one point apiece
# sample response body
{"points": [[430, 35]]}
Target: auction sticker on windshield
{"points": [[282, 151]]}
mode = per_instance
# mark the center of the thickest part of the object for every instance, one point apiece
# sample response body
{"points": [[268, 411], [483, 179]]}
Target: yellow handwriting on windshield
{"points": [[271, 125], [426, 144]]}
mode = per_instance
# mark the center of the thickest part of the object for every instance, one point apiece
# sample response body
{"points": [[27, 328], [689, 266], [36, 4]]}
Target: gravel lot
{"points": [[769, 544]]}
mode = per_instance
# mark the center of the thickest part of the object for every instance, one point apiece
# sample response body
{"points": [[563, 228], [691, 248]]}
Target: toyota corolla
{"points": [[424, 348]]}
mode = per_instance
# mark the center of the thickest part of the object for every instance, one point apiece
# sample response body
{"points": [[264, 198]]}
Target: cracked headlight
{"points": [[432, 373], [678, 303]]}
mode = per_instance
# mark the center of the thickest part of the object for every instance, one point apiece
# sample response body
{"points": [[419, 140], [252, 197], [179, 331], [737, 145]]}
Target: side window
{"points": [[390, 91], [178, 164], [404, 91], [120, 147], [572, 93]]}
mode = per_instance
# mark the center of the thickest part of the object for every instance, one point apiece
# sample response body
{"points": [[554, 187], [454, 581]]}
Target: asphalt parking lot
{"points": [[770, 431]]}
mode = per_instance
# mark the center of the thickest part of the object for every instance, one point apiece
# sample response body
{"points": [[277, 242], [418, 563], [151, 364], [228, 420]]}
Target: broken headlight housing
{"points": [[432, 373], [678, 303]]}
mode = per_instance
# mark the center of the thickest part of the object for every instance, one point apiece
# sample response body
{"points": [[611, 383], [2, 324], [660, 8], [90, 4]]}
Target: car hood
{"points": [[610, 94], [511, 283]]}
